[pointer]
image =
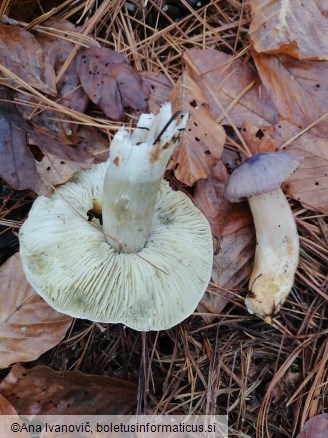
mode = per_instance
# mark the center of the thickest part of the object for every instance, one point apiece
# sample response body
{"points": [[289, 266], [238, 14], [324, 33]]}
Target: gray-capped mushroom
{"points": [[150, 262], [277, 243]]}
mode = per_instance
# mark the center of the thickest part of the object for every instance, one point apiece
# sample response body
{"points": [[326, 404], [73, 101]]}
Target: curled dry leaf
{"points": [[315, 427], [299, 89], [110, 82], [201, 144], [42, 391], [225, 81], [284, 26], [309, 184], [21, 53], [28, 325]]}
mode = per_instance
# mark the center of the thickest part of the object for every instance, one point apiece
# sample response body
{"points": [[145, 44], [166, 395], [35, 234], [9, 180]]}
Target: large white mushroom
{"points": [[277, 244], [150, 262]]}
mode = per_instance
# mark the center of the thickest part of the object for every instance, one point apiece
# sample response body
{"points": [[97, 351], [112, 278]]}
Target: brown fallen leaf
{"points": [[201, 144], [160, 89], [285, 26], [230, 224], [22, 168], [8, 416], [69, 90], [223, 216], [208, 197], [28, 325], [299, 89], [43, 391], [309, 184], [256, 138], [110, 82], [225, 82], [21, 53], [6, 408], [94, 142], [17, 166], [232, 266], [315, 427]]}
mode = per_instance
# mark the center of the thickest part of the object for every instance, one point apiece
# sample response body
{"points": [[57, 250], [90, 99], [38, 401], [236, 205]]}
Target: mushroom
{"points": [[277, 244], [150, 262]]}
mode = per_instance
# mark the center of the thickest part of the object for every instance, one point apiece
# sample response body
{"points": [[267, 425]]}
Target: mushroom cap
{"points": [[68, 261], [261, 173]]}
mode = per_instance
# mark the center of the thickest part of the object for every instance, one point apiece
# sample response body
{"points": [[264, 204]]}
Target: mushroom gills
{"points": [[276, 255]]}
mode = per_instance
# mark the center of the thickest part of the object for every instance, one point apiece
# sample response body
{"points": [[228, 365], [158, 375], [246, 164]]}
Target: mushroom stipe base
{"points": [[69, 262]]}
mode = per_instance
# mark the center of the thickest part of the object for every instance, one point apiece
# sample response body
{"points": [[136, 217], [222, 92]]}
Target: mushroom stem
{"points": [[136, 168], [276, 255]]}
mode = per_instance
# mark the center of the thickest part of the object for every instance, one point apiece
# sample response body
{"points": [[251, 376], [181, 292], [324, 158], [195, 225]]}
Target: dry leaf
{"points": [[309, 184], [160, 89], [291, 27], [222, 79], [299, 89], [315, 427], [8, 415], [69, 89], [234, 262], [223, 216], [208, 197], [54, 170], [28, 167], [21, 53], [17, 166], [232, 266], [6, 408], [256, 138], [42, 391], [94, 142], [202, 142], [110, 82], [230, 224], [28, 325]]}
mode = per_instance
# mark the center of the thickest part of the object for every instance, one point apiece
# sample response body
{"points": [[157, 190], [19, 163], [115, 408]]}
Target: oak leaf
{"points": [[28, 325]]}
